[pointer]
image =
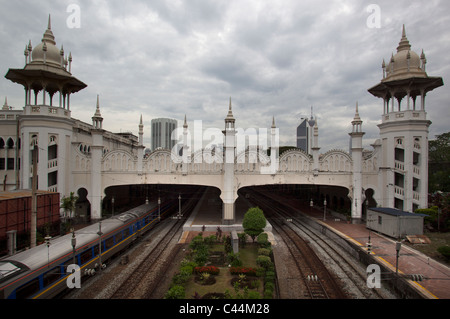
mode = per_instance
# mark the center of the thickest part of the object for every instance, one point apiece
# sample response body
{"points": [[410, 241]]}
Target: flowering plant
{"points": [[249, 271], [213, 270]]}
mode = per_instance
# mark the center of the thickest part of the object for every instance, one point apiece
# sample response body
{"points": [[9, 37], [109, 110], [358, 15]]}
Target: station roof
{"points": [[395, 212], [21, 193]]}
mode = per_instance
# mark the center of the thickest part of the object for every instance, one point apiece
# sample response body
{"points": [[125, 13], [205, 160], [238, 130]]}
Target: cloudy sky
{"points": [[273, 58]]}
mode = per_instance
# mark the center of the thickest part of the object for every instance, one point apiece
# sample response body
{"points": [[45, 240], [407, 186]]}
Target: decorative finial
{"points": [[230, 112], [185, 125], [273, 122], [404, 43], [49, 27], [6, 106]]}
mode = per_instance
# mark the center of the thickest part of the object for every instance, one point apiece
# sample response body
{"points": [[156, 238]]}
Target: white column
{"points": [[95, 192]]}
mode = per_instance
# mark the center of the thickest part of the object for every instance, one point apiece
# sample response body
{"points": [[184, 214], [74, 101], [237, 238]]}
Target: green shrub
{"points": [[269, 285], [268, 294], [176, 292], [242, 239], [264, 251], [233, 259], [260, 271], [262, 238], [253, 295], [210, 240], [187, 269], [270, 276], [264, 261]]}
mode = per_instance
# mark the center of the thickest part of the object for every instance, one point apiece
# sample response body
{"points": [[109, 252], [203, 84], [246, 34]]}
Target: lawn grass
{"points": [[437, 240]]}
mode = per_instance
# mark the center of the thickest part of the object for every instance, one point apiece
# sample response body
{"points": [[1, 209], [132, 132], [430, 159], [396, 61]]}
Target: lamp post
{"points": [[179, 205], [112, 203], [47, 241], [398, 245], [324, 209], [159, 208], [99, 233], [74, 244], [311, 204]]}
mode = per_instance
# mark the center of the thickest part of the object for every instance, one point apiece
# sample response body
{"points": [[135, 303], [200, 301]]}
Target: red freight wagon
{"points": [[15, 211]]}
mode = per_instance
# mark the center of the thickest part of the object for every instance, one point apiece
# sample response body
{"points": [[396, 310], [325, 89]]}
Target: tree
{"points": [[439, 164], [68, 204], [254, 222]]}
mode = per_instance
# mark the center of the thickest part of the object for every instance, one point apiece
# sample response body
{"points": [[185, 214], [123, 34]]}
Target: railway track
{"points": [[319, 282], [351, 273], [145, 277]]}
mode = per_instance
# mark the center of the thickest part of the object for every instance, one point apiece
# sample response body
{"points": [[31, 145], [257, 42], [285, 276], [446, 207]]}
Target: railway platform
{"points": [[436, 275], [207, 216]]}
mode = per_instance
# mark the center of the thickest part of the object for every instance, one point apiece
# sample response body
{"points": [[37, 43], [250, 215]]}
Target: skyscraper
{"points": [[303, 136], [162, 129]]}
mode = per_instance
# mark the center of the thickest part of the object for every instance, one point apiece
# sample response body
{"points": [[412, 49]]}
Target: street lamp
{"points": [[311, 204], [47, 240], [179, 205], [74, 244], [112, 203], [99, 233], [398, 245], [159, 208], [324, 209]]}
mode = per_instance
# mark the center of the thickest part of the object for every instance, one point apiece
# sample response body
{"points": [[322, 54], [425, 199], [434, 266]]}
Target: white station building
{"points": [[80, 157]]}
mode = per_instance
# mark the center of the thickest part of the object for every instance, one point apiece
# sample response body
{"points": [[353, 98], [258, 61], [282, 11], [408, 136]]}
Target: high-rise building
{"points": [[304, 133], [162, 129], [303, 136]]}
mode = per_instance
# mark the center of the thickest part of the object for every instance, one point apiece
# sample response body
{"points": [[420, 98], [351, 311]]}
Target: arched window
{"points": [[10, 143]]}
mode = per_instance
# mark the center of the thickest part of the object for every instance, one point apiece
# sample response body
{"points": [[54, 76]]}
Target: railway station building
{"points": [[86, 159]]}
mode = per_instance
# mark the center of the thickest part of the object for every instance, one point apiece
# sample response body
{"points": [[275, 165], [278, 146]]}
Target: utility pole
{"points": [[34, 196]]}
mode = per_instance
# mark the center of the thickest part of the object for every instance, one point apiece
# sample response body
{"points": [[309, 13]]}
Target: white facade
{"points": [[76, 156]]}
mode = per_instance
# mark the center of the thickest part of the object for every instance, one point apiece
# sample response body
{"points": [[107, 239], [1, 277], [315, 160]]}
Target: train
{"points": [[42, 272]]}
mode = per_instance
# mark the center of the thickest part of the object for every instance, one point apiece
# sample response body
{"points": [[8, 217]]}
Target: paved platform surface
{"points": [[208, 216], [436, 284]]}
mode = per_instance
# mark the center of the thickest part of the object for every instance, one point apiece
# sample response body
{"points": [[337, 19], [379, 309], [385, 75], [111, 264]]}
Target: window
{"points": [[52, 276], [86, 256], [380, 220], [109, 242], [10, 164], [28, 289]]}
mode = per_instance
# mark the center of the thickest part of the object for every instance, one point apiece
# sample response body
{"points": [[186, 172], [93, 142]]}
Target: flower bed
{"points": [[249, 271], [213, 270]]}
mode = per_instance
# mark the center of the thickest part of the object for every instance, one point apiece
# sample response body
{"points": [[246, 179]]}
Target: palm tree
{"points": [[68, 204]]}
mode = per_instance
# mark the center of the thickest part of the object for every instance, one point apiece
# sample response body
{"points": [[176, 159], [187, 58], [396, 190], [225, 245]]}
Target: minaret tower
{"points": [[356, 148], [404, 128], [140, 150], [48, 84], [95, 193], [229, 193]]}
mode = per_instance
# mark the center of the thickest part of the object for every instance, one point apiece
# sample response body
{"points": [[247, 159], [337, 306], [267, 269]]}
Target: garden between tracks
{"points": [[211, 270]]}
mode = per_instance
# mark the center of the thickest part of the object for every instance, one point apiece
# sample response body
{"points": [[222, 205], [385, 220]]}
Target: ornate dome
{"points": [[405, 63], [48, 45]]}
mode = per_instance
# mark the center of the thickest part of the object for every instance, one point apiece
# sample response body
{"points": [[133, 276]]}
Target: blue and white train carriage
{"points": [[41, 272]]}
